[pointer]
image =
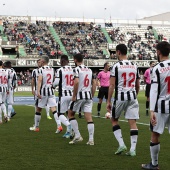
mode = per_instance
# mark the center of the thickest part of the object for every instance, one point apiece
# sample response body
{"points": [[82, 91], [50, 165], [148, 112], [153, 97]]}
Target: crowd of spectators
{"points": [[24, 78], [85, 38], [36, 37]]}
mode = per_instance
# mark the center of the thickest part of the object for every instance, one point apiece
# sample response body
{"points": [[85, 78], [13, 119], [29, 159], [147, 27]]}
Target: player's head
{"points": [[1, 63], [64, 60], [45, 60], [78, 58], [163, 50], [7, 64], [39, 63], [106, 66], [152, 64], [121, 50]]}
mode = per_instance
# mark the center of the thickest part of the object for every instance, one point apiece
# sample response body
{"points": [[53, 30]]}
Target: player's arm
{"points": [[93, 89], [39, 85], [153, 98], [75, 88], [145, 76], [33, 85], [98, 79], [110, 93], [137, 84]]}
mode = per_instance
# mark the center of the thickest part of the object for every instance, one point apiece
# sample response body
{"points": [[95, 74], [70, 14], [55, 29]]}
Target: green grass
{"points": [[22, 149]]}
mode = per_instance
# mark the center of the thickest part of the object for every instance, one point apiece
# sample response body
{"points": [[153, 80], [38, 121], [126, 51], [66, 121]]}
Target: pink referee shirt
{"points": [[104, 78], [147, 76]]}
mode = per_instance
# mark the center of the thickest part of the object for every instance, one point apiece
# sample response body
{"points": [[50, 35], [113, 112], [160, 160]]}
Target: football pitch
{"points": [[22, 149]]}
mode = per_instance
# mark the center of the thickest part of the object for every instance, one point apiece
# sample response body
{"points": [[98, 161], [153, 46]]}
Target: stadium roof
{"points": [[159, 17]]}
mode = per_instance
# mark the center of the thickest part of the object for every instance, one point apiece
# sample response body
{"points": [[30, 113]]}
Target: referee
{"points": [[103, 80], [147, 80]]}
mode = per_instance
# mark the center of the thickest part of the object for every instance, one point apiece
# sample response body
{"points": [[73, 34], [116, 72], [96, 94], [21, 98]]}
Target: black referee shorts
{"points": [[103, 92], [147, 90]]}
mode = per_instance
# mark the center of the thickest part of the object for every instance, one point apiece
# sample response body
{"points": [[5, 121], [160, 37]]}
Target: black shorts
{"points": [[103, 92], [147, 90]]}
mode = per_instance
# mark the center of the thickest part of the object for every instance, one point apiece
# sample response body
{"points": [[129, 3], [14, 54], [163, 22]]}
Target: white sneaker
{"points": [[90, 143], [8, 119], [75, 140], [36, 129]]}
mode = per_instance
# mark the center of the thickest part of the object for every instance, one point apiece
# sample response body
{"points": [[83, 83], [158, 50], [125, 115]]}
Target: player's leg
{"points": [[100, 96], [131, 114], [10, 102], [39, 105], [116, 111], [87, 108], [154, 152], [3, 107], [156, 131], [0, 108], [48, 112], [147, 92], [74, 124]]}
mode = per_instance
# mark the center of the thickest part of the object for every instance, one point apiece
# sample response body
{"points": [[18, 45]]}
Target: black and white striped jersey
{"points": [[64, 80], [4, 80], [12, 78], [85, 76], [47, 74], [35, 74], [160, 88], [125, 73]]}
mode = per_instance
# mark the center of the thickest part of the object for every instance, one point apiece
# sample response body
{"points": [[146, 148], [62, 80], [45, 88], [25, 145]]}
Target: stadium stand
{"points": [[86, 38]]}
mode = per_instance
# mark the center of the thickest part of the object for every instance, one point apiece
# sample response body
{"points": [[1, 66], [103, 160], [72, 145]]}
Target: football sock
{"points": [[98, 108], [12, 111], [74, 125], [47, 110], [57, 119], [147, 107], [69, 128], [9, 110], [64, 120], [154, 150], [90, 127], [37, 119], [118, 135], [4, 109], [133, 139]]}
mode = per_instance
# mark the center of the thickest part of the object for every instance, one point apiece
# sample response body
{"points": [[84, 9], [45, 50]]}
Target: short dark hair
{"points": [[164, 48], [79, 57], [64, 57], [151, 62], [122, 48], [46, 59], [105, 64], [1, 63], [7, 64], [38, 60]]}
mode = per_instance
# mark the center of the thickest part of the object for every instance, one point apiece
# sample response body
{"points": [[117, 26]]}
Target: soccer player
{"points": [[83, 92], [64, 79], [147, 80], [125, 81], [103, 84], [4, 89], [46, 95], [34, 87], [159, 102], [12, 81]]}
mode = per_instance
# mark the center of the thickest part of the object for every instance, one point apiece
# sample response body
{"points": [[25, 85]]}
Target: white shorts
{"points": [[3, 97], [86, 105], [63, 104], [10, 97], [130, 108], [163, 119], [47, 100]]}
